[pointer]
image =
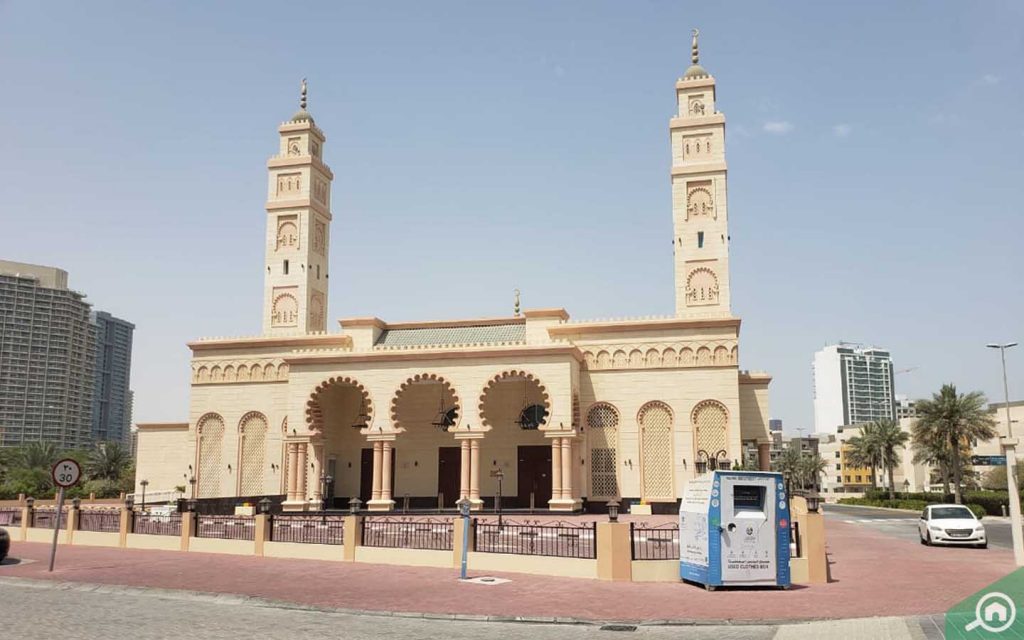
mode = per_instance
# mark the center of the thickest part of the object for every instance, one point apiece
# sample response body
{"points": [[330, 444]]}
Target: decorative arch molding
{"points": [[420, 378], [718, 353], [208, 418], [603, 433], [504, 375], [701, 287], [603, 415], [315, 414], [209, 454], [228, 371]]}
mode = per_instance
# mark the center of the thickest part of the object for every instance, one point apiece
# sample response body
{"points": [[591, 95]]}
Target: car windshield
{"points": [[951, 512]]}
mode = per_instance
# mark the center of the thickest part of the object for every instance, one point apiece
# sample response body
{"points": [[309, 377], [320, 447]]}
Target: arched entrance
{"points": [[516, 406], [428, 461], [339, 411]]}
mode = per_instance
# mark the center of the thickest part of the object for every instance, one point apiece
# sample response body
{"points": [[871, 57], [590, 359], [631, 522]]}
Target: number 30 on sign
{"points": [[66, 473]]}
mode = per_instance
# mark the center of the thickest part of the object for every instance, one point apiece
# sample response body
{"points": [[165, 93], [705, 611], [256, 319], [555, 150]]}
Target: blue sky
{"points": [[876, 183]]}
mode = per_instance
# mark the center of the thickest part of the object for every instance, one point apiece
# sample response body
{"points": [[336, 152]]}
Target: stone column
{"points": [[378, 459], [317, 468], [300, 468], [556, 468], [464, 475], [764, 456], [385, 471], [567, 469], [293, 470], [474, 471]]}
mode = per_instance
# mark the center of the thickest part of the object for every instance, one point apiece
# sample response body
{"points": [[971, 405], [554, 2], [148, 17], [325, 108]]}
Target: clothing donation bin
{"points": [[734, 530]]}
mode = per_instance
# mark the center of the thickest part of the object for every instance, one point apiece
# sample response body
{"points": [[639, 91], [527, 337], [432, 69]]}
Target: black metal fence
{"points": [[108, 521], [226, 527], [156, 524], [408, 533], [654, 542], [321, 529], [10, 516], [559, 539], [43, 518]]}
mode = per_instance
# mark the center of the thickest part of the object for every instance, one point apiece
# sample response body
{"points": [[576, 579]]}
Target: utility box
{"points": [[734, 530]]}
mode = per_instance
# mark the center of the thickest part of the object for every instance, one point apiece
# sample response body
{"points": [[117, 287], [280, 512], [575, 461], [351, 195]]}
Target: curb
{"points": [[232, 599]]}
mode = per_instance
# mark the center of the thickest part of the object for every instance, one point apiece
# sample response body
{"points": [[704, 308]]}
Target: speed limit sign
{"points": [[66, 473]]}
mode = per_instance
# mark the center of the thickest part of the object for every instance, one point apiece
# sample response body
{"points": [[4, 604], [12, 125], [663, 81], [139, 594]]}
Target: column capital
{"points": [[567, 434], [385, 436], [468, 435]]}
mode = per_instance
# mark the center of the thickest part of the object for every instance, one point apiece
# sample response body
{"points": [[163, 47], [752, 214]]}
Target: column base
{"points": [[380, 505], [294, 505], [565, 504]]}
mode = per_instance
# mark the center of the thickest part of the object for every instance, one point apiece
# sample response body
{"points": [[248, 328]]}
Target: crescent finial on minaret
{"points": [[694, 55], [302, 98], [516, 306]]}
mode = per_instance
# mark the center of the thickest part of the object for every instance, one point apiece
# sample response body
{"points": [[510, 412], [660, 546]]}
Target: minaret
{"points": [[298, 229], [699, 213]]}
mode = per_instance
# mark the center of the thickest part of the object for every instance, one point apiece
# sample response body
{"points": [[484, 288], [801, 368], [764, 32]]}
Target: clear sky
{"points": [[876, 179]]}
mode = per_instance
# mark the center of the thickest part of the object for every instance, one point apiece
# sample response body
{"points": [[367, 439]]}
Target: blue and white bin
{"points": [[734, 530]]}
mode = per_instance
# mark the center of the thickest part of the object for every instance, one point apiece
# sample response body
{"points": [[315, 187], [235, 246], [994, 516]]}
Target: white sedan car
{"points": [[951, 524]]}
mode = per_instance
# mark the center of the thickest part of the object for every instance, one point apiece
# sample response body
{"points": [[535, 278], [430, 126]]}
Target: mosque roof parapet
{"points": [[338, 341]]}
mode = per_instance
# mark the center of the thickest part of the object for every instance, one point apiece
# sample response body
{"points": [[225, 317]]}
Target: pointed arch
{"points": [[657, 474], [419, 378], [210, 450], [252, 453]]}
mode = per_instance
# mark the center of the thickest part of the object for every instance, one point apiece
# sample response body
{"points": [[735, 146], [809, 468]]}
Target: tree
{"points": [[995, 479], [36, 455], [865, 451], [811, 467], [108, 461], [790, 465], [888, 438], [950, 422]]}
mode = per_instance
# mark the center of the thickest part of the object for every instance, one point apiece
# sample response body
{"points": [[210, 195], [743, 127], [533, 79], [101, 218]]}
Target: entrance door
{"points": [[449, 474], [366, 474], [534, 476]]}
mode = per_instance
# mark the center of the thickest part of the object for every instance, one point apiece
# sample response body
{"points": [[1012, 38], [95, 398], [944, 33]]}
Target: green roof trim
{"points": [[481, 334]]}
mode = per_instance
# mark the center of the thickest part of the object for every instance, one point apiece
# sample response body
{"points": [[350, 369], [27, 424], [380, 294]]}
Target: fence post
{"points": [[262, 531], [72, 524], [125, 527], [188, 527], [352, 537], [26, 515], [614, 551]]}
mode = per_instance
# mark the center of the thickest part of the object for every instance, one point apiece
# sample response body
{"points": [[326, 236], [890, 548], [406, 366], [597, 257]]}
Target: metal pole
{"points": [[500, 478], [465, 543], [1009, 450], [56, 526]]}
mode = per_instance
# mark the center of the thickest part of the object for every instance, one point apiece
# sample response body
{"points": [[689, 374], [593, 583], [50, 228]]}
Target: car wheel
{"points": [[927, 539], [921, 538], [983, 545]]}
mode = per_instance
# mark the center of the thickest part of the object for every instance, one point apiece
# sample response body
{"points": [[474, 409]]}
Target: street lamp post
{"points": [[1009, 450], [144, 484]]}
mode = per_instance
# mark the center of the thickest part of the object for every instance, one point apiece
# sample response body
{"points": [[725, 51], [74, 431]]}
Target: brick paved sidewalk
{"points": [[873, 575]]}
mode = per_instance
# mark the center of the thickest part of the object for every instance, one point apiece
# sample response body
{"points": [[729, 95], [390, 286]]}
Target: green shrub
{"points": [[977, 510], [912, 505]]}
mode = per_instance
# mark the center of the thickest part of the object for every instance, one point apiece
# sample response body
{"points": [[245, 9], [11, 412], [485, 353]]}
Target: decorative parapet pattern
{"points": [[660, 355], [448, 346], [233, 371]]}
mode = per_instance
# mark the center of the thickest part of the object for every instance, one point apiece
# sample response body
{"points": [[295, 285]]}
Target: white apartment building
{"points": [[852, 385]]}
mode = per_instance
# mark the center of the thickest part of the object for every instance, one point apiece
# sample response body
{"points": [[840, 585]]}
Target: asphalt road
{"points": [[903, 524], [36, 609]]}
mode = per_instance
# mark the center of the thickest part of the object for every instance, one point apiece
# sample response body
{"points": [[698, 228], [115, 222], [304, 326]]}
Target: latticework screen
{"points": [[254, 454], [211, 447], [603, 422], [656, 447], [711, 424]]}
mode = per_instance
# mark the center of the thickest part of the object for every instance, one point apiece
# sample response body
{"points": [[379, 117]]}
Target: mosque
{"points": [[566, 414]]}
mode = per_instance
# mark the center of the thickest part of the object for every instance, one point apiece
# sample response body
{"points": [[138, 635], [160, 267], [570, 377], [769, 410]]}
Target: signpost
{"points": [[464, 505], [65, 473], [986, 461]]}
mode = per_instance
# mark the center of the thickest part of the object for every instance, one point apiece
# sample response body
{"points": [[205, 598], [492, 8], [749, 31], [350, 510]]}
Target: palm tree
{"points": [[108, 461], [812, 466], [888, 438], [864, 450], [36, 455], [789, 464], [950, 422]]}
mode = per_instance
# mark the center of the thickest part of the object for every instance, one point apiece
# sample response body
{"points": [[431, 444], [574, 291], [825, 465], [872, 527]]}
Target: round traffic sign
{"points": [[66, 473]]}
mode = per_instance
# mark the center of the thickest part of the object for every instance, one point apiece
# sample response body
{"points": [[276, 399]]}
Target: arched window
{"points": [[655, 420], [253, 455], [603, 429], [711, 431], [210, 431]]}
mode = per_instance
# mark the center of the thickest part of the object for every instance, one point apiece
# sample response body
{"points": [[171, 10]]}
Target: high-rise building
{"points": [[775, 424], [852, 385], [905, 407], [47, 358], [111, 400]]}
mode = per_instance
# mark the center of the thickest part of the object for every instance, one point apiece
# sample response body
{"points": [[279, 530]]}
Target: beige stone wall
{"points": [[164, 454]]}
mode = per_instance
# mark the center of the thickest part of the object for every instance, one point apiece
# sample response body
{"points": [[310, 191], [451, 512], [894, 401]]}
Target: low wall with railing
{"points": [[635, 551]]}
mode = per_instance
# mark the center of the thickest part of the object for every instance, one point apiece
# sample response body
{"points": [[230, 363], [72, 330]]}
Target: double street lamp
{"points": [[1009, 450]]}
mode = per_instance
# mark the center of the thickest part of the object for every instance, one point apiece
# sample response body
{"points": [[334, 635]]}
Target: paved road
{"points": [[31, 610], [902, 524]]}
